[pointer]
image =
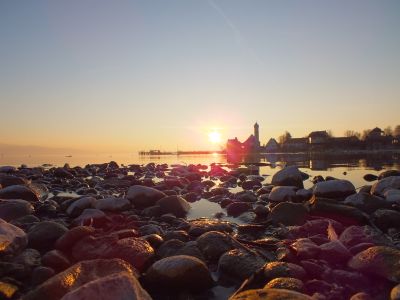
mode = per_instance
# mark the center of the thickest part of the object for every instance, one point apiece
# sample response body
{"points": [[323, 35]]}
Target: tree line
{"points": [[348, 133]]}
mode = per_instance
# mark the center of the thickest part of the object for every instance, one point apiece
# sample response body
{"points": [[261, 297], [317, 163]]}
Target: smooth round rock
{"points": [[179, 272]]}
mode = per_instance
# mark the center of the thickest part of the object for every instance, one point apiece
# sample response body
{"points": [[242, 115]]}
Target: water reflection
{"points": [[323, 161]]}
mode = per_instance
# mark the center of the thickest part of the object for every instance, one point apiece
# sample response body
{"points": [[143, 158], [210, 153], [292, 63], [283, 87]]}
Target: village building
{"points": [[272, 146], [315, 141]]}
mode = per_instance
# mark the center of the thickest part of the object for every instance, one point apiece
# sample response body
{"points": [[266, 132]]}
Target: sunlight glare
{"points": [[214, 137]]}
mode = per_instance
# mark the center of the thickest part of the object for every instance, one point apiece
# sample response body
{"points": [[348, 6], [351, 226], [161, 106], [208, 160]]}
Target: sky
{"points": [[115, 76]]}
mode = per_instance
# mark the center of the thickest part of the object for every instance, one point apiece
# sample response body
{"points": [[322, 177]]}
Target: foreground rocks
{"points": [[127, 232], [80, 274]]}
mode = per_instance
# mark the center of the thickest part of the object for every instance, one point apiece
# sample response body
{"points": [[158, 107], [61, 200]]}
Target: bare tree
{"points": [[284, 137], [397, 130], [351, 133], [365, 133], [388, 130]]}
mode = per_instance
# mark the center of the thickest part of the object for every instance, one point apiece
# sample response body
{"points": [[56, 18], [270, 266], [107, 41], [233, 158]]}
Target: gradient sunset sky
{"points": [[132, 75]]}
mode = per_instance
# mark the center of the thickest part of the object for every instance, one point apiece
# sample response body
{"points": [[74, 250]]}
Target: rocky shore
{"points": [[106, 231]]}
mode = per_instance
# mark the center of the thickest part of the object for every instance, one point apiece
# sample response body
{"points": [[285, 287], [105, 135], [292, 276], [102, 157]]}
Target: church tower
{"points": [[256, 133]]}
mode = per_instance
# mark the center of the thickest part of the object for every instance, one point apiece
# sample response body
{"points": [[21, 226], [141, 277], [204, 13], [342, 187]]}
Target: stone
{"points": [[143, 196], [379, 188], [334, 252], [355, 235], [177, 235], [303, 194], [288, 214], [283, 269], [135, 251], [334, 188], [191, 249], [121, 286], [235, 209], [19, 192], [90, 216], [270, 294], [345, 214], [251, 184], [245, 196], [213, 244], [239, 264], [361, 296], [386, 218], [289, 176], [389, 173], [366, 202], [56, 260], [287, 283], [13, 209], [78, 275], [395, 293], [378, 260], [305, 248], [200, 226], [7, 290], [79, 205], [12, 239], [282, 193], [7, 180], [392, 196], [113, 204], [151, 229], [72, 236], [175, 205], [43, 235], [29, 258], [370, 177], [7, 169], [179, 272], [62, 173], [169, 248], [41, 274]]}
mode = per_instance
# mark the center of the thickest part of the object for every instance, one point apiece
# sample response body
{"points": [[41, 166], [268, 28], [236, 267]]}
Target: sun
{"points": [[214, 137]]}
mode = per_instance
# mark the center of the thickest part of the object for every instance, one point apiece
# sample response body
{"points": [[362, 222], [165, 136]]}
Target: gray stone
{"points": [[77, 206], [378, 260], [89, 216], [288, 213], [78, 275], [334, 188], [282, 193], [122, 286], [143, 196], [43, 235], [289, 176], [12, 238], [68, 239], [239, 264], [385, 184], [113, 204], [19, 192], [270, 294], [213, 244], [175, 205], [179, 272], [13, 209]]}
